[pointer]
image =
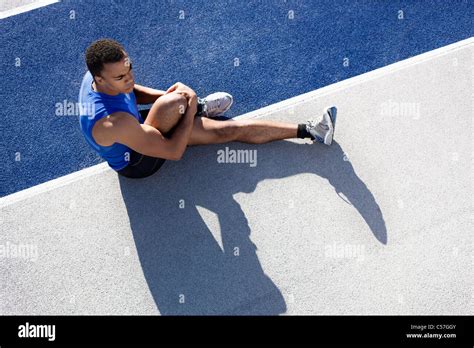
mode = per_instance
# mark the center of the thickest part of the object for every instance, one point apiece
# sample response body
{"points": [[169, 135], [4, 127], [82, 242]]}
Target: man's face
{"points": [[117, 77]]}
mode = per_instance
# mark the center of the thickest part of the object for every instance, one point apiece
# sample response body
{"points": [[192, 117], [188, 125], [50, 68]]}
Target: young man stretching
{"points": [[136, 143]]}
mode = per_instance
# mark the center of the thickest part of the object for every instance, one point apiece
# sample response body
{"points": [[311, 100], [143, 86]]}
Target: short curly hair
{"points": [[103, 51]]}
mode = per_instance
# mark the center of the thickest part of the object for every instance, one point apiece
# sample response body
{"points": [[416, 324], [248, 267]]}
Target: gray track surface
{"points": [[378, 223]]}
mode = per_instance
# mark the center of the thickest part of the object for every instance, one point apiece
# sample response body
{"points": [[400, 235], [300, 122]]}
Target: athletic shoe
{"points": [[323, 131], [216, 104]]}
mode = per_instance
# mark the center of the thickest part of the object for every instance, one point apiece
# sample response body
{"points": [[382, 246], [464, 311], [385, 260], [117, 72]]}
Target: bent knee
{"points": [[173, 98], [167, 111], [174, 103]]}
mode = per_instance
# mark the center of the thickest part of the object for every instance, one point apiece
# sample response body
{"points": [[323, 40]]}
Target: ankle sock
{"points": [[200, 107], [302, 132]]}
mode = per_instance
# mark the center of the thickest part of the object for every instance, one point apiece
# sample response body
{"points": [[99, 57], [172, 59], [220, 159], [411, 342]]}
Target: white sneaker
{"points": [[216, 104], [323, 131]]}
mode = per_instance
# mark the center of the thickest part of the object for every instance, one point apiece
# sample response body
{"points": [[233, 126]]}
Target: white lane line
{"points": [[53, 184], [389, 69], [368, 76], [26, 8]]}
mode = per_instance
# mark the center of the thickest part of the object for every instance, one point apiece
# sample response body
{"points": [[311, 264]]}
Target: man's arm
{"points": [[124, 128], [182, 132], [147, 95]]}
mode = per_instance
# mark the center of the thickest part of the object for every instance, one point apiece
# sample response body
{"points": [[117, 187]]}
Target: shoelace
{"points": [[212, 105], [312, 124]]}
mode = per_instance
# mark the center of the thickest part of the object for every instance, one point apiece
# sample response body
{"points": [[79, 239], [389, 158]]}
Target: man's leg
{"points": [[168, 110], [209, 131]]}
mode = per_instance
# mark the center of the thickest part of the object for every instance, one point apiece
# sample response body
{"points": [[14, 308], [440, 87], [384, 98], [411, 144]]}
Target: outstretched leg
{"points": [[168, 110], [209, 131]]}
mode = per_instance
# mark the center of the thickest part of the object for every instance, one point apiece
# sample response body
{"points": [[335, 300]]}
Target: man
{"points": [[136, 143]]}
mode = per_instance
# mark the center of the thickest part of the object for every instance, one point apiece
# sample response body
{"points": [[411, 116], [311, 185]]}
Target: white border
{"points": [[26, 8], [389, 69]]}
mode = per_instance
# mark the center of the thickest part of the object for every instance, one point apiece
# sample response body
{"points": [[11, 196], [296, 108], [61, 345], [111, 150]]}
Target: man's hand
{"points": [[181, 88], [192, 104]]}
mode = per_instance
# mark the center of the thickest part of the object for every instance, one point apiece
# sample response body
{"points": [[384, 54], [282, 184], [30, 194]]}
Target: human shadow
{"points": [[186, 270]]}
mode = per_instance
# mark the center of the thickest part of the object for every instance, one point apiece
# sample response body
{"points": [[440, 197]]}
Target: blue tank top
{"points": [[94, 106]]}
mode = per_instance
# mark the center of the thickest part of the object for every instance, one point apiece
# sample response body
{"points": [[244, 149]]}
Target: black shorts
{"points": [[141, 166]]}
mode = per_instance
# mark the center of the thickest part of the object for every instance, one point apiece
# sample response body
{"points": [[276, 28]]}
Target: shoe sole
{"points": [[332, 112]]}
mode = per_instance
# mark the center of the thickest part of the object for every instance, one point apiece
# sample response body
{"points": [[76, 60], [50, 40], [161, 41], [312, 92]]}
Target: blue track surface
{"points": [[278, 58]]}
